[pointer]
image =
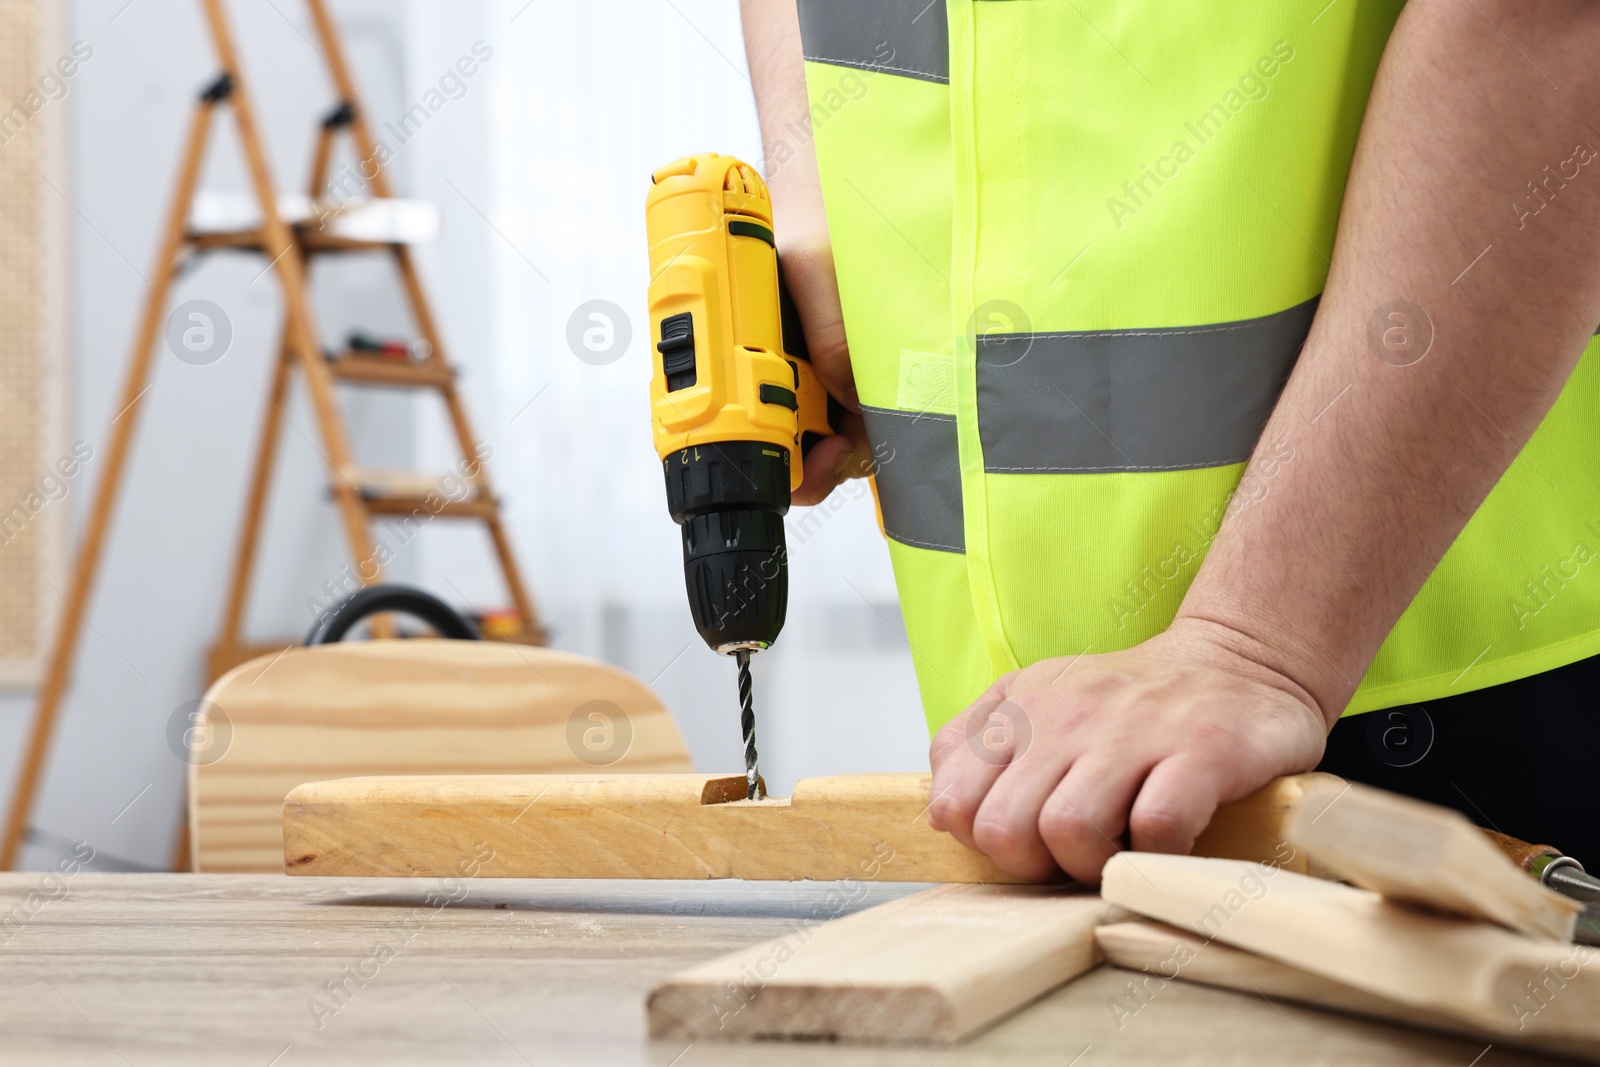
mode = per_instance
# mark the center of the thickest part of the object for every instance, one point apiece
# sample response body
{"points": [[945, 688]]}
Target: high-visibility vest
{"points": [[1079, 245]]}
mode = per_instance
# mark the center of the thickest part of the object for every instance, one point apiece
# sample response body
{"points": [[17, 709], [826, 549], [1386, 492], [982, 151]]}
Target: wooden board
{"points": [[871, 826], [1469, 970], [1410, 850], [932, 968], [405, 707], [1162, 953]]}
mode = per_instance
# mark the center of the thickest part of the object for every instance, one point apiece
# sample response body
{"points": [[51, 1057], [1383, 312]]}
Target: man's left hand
{"points": [[1052, 766]]}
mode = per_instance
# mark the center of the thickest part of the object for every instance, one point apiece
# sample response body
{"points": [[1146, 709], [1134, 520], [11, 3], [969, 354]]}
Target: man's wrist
{"points": [[1282, 664]]}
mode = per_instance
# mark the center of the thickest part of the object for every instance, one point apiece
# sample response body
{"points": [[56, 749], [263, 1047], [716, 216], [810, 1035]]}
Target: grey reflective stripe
{"points": [[919, 477], [1133, 400], [905, 37]]}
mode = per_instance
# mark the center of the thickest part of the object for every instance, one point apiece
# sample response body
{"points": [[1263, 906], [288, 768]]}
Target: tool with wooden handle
{"points": [[1560, 872]]}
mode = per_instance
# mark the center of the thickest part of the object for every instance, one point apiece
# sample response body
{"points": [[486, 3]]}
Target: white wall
{"points": [[540, 170], [158, 603]]}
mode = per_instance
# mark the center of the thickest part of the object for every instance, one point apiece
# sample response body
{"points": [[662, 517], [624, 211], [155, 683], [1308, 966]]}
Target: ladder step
{"points": [[379, 370], [311, 241], [383, 220], [406, 493], [474, 507]]}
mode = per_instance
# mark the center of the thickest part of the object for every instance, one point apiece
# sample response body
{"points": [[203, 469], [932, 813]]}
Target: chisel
{"points": [[1563, 874]]}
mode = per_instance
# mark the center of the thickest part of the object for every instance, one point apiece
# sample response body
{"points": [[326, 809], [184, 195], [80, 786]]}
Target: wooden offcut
{"points": [[675, 826], [405, 707], [1425, 854], [931, 968], [1471, 971], [1160, 953]]}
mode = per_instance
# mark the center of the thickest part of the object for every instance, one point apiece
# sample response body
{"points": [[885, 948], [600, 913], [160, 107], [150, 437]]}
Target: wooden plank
{"points": [[1471, 971], [626, 826], [932, 968], [1410, 850], [1164, 953], [672, 826]]}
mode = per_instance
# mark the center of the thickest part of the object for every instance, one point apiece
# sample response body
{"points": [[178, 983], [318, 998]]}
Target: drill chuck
{"points": [[730, 499]]}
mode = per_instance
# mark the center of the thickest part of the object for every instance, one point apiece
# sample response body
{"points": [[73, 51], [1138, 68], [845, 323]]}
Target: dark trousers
{"points": [[1521, 758]]}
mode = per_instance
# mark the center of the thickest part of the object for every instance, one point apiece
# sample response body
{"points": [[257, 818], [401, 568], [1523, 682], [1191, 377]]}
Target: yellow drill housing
{"points": [[734, 402], [714, 267]]}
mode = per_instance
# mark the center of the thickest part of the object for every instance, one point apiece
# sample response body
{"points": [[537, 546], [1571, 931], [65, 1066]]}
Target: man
{"points": [[1080, 247]]}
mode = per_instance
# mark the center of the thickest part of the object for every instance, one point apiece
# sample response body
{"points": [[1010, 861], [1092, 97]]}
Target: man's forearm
{"points": [[1368, 468], [777, 73]]}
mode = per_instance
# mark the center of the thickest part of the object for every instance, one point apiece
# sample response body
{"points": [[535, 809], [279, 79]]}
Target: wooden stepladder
{"points": [[360, 496]]}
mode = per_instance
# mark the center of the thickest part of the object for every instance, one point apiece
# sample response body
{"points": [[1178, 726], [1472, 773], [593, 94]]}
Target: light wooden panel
{"points": [[1410, 850], [685, 826], [404, 707], [932, 968], [1472, 971], [1162, 953], [34, 240]]}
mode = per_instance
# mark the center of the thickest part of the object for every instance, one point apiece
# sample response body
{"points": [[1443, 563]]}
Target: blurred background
{"points": [[538, 165]]}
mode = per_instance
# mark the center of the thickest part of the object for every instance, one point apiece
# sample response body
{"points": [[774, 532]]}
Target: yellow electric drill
{"points": [[734, 403]]}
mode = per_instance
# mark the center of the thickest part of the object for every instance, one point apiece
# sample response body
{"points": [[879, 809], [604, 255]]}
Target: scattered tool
{"points": [[417, 349], [735, 404], [1563, 874]]}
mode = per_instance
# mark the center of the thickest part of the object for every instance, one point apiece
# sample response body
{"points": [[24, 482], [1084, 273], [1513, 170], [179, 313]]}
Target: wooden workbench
{"points": [[222, 969]]}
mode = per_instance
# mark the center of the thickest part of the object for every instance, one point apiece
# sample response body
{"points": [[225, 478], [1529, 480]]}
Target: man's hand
{"points": [[1057, 763], [808, 272]]}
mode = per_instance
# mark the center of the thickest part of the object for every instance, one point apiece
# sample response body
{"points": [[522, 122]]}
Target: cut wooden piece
{"points": [[418, 706], [1410, 850], [1469, 970], [672, 826], [871, 826], [931, 968], [1163, 953]]}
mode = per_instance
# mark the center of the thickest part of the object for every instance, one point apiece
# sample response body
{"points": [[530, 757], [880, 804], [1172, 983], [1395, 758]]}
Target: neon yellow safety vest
{"points": [[1079, 245]]}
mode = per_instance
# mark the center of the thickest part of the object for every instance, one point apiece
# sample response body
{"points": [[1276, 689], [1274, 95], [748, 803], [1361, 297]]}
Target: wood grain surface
{"points": [[405, 707], [1473, 971], [220, 970], [1414, 851], [931, 968], [679, 826], [1159, 953]]}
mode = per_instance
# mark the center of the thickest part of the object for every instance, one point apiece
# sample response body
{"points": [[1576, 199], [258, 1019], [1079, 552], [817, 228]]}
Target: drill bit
{"points": [[747, 720]]}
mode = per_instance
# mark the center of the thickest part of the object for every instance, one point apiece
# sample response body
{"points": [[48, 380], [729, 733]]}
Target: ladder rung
{"points": [[406, 492], [379, 370], [310, 241], [212, 240], [474, 507], [317, 240]]}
